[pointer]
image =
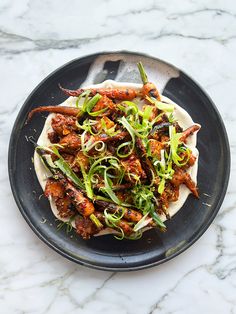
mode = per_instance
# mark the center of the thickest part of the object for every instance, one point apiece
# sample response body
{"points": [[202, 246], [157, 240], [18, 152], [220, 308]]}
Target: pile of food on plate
{"points": [[116, 158]]}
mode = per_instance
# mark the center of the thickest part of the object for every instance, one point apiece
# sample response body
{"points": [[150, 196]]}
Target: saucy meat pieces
{"points": [[104, 122], [85, 227], [133, 169], [68, 198], [71, 160], [121, 224], [129, 213], [82, 204], [65, 207], [70, 142], [155, 148], [104, 103], [63, 125], [56, 190], [83, 160], [170, 194], [53, 137], [182, 177]]}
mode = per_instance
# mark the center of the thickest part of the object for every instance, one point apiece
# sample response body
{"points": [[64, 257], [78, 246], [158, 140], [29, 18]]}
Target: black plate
{"points": [[154, 247]]}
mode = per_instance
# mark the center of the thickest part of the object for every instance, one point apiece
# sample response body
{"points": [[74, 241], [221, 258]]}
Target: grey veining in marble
{"points": [[38, 36]]}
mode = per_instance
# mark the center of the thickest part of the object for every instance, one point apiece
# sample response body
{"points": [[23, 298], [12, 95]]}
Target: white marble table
{"points": [[38, 36]]}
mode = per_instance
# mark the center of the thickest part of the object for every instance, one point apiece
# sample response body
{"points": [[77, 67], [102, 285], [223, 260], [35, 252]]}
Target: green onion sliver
{"points": [[137, 129], [135, 236], [112, 221], [91, 103], [174, 147], [157, 219], [66, 169], [142, 223], [130, 108], [87, 146], [69, 173], [161, 186], [108, 187], [87, 182], [98, 161], [87, 126], [161, 105], [128, 144], [84, 94], [147, 113], [96, 221], [97, 113], [128, 127], [122, 235]]}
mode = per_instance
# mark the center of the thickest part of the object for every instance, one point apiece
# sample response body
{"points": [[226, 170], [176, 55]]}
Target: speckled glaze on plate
{"points": [[154, 247]]}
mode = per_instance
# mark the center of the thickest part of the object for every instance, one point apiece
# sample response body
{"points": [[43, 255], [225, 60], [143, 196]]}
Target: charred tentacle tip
{"points": [[69, 92]]}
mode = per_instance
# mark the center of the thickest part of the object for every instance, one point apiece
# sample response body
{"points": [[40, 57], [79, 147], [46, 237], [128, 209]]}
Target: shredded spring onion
{"points": [[112, 220], [96, 221], [161, 105], [65, 168], [129, 144], [109, 131], [86, 146], [84, 94], [142, 223], [129, 108], [61, 164], [135, 235], [87, 126], [175, 149], [87, 182], [144, 200], [91, 103], [108, 187]]}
